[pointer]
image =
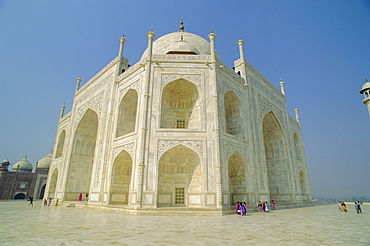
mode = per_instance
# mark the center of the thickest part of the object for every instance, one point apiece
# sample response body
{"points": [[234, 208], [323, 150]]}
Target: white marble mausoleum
{"points": [[179, 130]]}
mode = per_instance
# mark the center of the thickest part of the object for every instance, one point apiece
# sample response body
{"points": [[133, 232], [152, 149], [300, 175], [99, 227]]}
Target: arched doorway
{"points": [[237, 178], [179, 178], [121, 178], [276, 159], [82, 160], [42, 191], [180, 105], [20, 196], [127, 113]]}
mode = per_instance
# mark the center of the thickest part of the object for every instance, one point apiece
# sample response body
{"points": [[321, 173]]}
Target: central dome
{"points": [[185, 43]]}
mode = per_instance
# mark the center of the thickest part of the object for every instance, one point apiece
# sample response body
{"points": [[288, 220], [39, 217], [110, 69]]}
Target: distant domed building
{"points": [[21, 182], [179, 131]]}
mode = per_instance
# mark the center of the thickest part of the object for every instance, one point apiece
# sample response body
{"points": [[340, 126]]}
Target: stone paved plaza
{"points": [[61, 225]]}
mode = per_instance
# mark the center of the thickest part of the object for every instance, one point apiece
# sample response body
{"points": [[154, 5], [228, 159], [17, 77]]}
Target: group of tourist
{"points": [[343, 208], [358, 207], [241, 208], [265, 207], [46, 203]]}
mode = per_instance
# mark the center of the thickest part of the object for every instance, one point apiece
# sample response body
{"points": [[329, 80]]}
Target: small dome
{"points": [[44, 162], [23, 166], [365, 87], [6, 162]]}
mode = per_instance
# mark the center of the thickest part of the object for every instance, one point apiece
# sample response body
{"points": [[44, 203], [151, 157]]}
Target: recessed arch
{"points": [[179, 177], [82, 159], [276, 159], [20, 196], [53, 184], [127, 112], [60, 145], [237, 178], [121, 178], [180, 107], [233, 114]]}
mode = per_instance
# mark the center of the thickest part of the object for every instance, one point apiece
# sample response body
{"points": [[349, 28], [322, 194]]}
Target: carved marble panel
{"points": [[195, 78], [164, 145]]}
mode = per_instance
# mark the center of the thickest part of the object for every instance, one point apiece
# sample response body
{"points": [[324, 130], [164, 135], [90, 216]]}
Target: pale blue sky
{"points": [[321, 49]]}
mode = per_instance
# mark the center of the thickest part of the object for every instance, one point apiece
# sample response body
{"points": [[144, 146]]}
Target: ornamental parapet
{"points": [[189, 58], [366, 100]]}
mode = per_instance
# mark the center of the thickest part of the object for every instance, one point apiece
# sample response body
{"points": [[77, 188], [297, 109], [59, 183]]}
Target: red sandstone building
{"points": [[21, 182]]}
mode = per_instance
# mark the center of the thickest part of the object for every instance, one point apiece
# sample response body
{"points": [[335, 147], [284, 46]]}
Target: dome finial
{"points": [[181, 25], [366, 80]]}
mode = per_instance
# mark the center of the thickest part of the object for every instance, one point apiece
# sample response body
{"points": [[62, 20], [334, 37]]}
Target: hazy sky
{"points": [[320, 48]]}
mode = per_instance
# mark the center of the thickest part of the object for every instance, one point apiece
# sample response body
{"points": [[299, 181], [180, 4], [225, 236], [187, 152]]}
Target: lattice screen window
{"points": [[180, 124], [179, 195]]}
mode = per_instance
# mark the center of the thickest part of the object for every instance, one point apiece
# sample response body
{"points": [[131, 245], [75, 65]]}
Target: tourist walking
{"points": [[80, 197], [245, 207], [87, 197], [241, 208], [237, 207], [45, 202], [340, 206], [359, 207], [273, 204], [356, 207], [344, 207], [31, 201], [267, 207], [259, 205], [49, 201]]}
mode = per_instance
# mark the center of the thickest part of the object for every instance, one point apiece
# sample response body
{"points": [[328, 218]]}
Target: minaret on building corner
{"points": [[366, 91]]}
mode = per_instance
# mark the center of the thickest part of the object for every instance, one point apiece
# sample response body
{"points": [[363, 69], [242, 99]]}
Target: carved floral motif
{"points": [[195, 78], [164, 145]]}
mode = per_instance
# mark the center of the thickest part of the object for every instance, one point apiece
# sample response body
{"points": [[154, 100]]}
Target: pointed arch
{"points": [[81, 164], [121, 178], [237, 178], [276, 159], [181, 105], [42, 191], [127, 112], [60, 145], [179, 178], [233, 114], [53, 183]]}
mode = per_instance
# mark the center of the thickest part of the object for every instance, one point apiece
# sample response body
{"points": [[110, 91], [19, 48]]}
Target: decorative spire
{"points": [[211, 30], [181, 25], [282, 86], [296, 115]]}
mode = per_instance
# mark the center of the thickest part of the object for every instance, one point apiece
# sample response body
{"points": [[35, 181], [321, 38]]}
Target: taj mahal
{"points": [[178, 130]]}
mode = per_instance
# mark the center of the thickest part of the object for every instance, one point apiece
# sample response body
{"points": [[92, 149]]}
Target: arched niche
{"points": [[20, 196], [237, 178], [181, 107], [127, 113], [81, 164], [60, 145], [121, 178], [53, 184], [233, 114], [276, 159], [179, 178], [297, 147]]}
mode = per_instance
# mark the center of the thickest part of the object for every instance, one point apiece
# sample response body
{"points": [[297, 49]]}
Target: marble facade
{"points": [[179, 129]]}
